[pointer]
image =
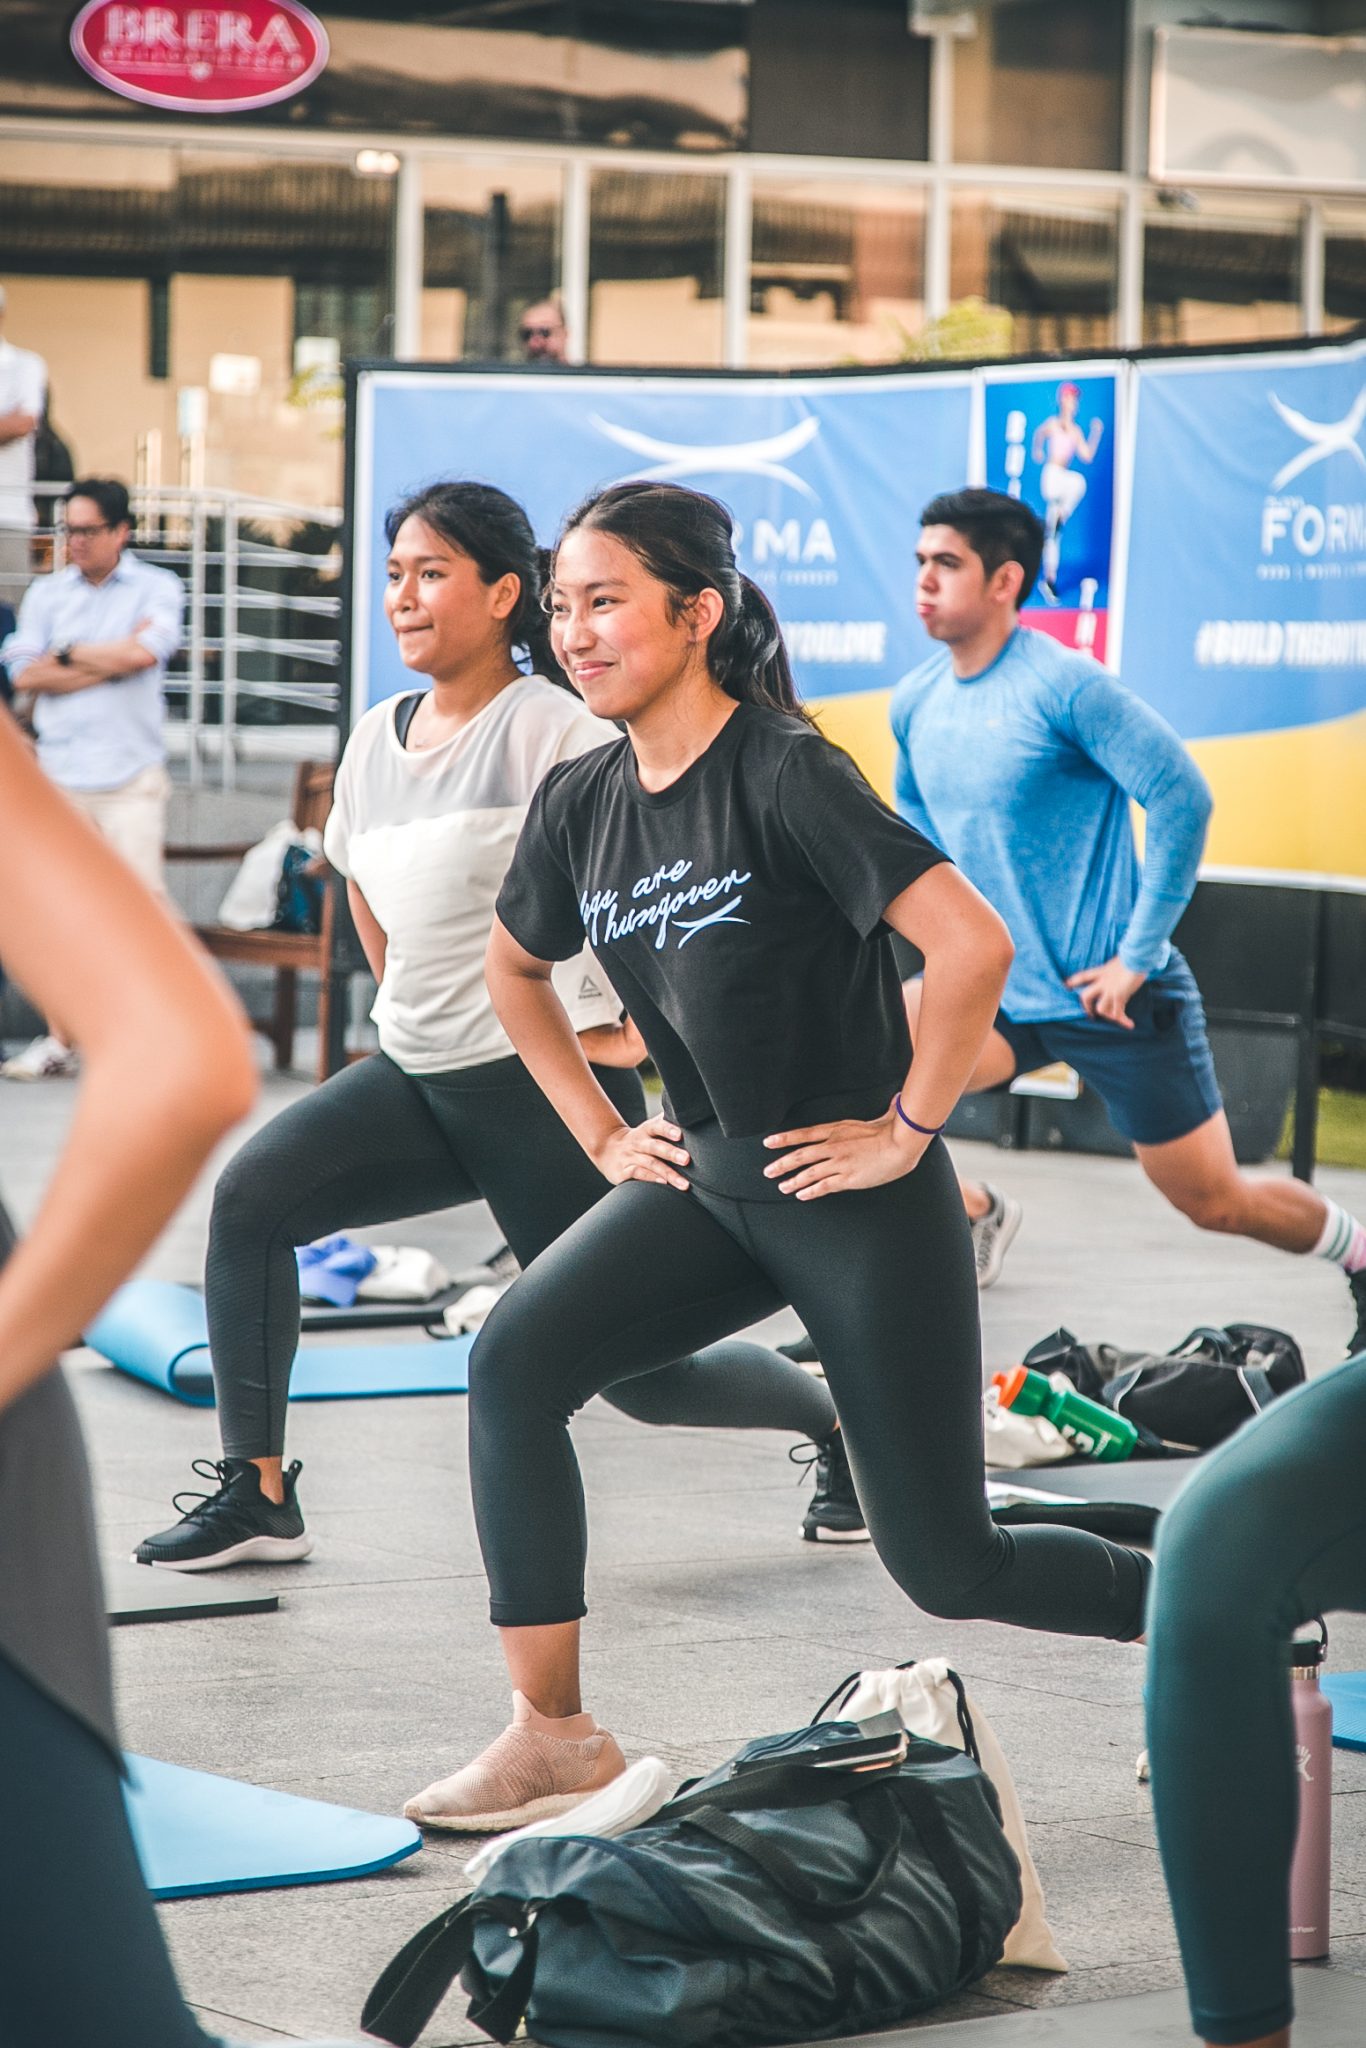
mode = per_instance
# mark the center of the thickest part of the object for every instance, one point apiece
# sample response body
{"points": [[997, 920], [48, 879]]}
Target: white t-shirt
{"points": [[427, 837], [23, 383]]}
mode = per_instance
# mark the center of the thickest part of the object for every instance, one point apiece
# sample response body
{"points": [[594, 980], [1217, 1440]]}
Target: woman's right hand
{"points": [[648, 1151]]}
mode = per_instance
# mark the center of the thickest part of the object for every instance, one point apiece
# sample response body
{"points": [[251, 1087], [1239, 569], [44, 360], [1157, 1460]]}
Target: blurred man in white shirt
{"points": [[88, 657], [23, 395]]}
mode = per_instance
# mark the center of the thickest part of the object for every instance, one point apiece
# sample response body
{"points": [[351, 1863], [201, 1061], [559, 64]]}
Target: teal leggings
{"points": [[1271, 1532]]}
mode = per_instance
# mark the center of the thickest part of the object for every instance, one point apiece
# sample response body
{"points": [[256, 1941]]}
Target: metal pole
{"points": [[228, 742], [408, 258], [1130, 321], [739, 231], [938, 222], [1312, 269], [196, 675], [574, 258]]}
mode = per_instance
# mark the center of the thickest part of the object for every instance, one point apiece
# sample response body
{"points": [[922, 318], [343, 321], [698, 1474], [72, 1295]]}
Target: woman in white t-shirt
{"points": [[431, 793]]}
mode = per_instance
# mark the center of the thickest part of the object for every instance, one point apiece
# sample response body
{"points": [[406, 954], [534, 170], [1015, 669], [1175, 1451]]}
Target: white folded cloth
{"points": [[641, 1790]]}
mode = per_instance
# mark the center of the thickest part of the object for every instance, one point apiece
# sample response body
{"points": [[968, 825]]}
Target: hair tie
{"points": [[925, 1130]]}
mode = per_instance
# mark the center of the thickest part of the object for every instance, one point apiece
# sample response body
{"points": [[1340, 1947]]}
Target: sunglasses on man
{"points": [[536, 333]]}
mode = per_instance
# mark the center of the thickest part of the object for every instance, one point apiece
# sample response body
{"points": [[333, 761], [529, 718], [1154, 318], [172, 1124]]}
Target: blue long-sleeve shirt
{"points": [[1023, 775]]}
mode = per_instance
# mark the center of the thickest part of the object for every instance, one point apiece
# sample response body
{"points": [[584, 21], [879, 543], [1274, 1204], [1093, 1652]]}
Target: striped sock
{"points": [[1343, 1239]]}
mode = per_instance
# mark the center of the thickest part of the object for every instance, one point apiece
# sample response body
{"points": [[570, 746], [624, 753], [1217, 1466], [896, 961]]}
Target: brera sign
{"points": [[201, 60]]}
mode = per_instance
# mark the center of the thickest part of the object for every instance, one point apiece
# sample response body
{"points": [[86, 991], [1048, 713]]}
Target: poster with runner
{"points": [[1049, 435]]}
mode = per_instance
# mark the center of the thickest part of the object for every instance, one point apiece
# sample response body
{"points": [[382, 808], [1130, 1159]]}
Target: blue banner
{"points": [[826, 478], [1245, 607]]}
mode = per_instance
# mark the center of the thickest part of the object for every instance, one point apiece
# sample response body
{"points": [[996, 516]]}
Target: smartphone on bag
{"points": [[833, 1746]]}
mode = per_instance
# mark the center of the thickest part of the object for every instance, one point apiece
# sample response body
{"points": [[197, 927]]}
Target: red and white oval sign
{"points": [[203, 59]]}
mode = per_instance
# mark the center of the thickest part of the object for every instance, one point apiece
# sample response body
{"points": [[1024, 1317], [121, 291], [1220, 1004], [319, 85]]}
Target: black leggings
{"points": [[375, 1144], [82, 1959], [1270, 1532], [883, 1279]]}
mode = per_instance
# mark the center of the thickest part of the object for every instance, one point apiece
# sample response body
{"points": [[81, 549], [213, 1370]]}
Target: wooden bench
{"points": [[331, 953]]}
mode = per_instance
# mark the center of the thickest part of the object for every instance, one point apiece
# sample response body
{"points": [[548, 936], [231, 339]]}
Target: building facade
{"points": [[742, 183]]}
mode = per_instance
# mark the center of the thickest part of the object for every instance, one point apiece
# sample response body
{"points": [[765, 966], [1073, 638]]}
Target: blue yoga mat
{"points": [[196, 1833], [157, 1332], [1347, 1691]]}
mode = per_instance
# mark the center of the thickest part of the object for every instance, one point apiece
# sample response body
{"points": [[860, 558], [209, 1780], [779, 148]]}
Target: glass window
{"points": [[1048, 260], [846, 80], [143, 273], [1344, 267], [491, 247], [1219, 267], [637, 74], [1041, 82], [837, 272], [655, 269]]}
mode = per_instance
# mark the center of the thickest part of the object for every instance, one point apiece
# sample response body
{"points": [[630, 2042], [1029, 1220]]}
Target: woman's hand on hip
{"points": [[648, 1151], [829, 1159]]}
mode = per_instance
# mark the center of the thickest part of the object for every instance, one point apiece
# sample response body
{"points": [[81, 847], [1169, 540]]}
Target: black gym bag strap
{"points": [[882, 1818], [943, 1851], [411, 1987]]}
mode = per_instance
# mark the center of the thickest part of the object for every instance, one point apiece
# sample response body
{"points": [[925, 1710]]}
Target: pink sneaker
{"points": [[538, 1767]]}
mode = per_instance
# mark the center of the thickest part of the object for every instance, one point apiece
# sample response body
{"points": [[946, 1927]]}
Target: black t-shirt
{"points": [[738, 915]]}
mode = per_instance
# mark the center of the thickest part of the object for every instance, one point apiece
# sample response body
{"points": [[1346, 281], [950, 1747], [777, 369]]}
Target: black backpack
{"points": [[780, 1902], [1187, 1399]]}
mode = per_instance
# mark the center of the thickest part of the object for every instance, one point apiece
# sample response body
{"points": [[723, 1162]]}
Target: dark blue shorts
{"points": [[1157, 1081]]}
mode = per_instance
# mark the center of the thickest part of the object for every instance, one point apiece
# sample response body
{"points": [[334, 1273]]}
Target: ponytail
{"points": [[748, 655], [684, 540]]}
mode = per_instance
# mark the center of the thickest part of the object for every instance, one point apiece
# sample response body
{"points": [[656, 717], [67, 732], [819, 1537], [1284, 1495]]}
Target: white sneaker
{"points": [[45, 1059], [993, 1235]]}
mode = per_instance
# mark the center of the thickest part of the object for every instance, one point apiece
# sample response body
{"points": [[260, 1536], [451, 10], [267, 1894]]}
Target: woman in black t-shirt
{"points": [[737, 880]]}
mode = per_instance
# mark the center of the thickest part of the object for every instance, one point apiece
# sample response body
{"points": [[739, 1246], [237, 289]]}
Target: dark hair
{"points": [[996, 527], [105, 491], [493, 530], [684, 539]]}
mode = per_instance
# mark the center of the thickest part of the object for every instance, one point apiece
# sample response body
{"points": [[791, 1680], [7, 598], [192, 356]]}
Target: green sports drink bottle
{"points": [[1096, 1430]]}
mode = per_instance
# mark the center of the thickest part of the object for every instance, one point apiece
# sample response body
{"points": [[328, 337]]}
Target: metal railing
{"points": [[258, 671]]}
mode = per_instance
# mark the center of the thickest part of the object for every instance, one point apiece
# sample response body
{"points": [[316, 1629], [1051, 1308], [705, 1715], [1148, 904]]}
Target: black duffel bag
{"points": [[780, 1903], [1190, 1398]]}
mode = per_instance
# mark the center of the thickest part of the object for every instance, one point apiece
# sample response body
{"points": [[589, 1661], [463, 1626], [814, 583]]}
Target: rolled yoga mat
{"points": [[196, 1833], [157, 1332]]}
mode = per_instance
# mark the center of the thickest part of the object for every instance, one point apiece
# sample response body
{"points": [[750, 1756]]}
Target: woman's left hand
{"points": [[829, 1159]]}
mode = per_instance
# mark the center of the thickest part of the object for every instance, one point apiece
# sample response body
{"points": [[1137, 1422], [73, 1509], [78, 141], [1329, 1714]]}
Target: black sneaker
{"points": [[834, 1515], [236, 1525], [499, 1269], [1357, 1283]]}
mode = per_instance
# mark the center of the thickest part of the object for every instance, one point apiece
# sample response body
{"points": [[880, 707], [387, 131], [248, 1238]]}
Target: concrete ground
{"points": [[710, 1622]]}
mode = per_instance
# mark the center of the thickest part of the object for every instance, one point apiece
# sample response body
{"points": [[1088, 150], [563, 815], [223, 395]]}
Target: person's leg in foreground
{"points": [[82, 1958], [1270, 1532]]}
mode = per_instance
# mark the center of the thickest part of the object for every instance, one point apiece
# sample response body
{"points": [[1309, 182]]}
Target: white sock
{"points": [[1343, 1239]]}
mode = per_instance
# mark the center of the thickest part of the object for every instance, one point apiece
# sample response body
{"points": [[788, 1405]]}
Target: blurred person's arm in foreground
{"points": [[167, 1063]]}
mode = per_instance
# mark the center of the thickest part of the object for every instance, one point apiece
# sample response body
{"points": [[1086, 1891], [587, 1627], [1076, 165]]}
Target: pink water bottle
{"points": [[1310, 1869]]}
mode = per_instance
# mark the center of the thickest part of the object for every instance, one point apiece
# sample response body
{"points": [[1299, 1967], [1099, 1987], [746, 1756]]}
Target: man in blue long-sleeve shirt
{"points": [[1021, 758]]}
